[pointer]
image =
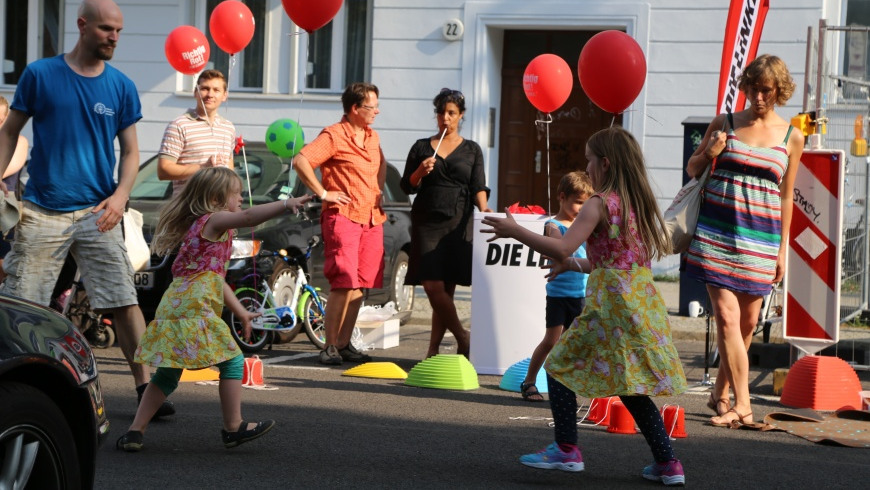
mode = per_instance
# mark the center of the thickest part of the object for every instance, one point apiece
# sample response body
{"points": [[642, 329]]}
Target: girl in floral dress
{"points": [[188, 332], [621, 343]]}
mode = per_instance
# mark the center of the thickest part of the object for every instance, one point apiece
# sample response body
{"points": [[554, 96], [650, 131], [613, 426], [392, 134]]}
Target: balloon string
{"points": [[546, 124]]}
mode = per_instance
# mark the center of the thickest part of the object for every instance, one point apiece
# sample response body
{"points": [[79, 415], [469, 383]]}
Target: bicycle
{"points": [[305, 308], [71, 300]]}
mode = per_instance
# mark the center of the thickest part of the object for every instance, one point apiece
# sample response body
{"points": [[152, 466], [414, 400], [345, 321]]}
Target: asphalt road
{"points": [[337, 431]]}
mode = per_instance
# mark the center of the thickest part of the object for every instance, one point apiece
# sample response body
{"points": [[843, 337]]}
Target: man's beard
{"points": [[104, 55]]}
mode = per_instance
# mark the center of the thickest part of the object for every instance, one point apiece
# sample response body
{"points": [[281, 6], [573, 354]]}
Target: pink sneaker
{"points": [[553, 458], [670, 473]]}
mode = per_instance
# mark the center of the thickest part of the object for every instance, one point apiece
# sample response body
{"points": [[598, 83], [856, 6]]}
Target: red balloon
{"points": [[231, 25], [187, 49], [547, 82], [612, 70], [311, 15]]}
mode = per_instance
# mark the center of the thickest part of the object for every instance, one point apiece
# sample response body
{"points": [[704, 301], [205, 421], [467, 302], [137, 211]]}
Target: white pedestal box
{"points": [[508, 298]]}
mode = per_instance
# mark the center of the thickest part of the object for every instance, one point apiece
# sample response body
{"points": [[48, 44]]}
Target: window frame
{"points": [[34, 37], [285, 50]]}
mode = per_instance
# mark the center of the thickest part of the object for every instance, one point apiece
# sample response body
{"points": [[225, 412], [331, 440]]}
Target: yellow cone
{"points": [[387, 370]]}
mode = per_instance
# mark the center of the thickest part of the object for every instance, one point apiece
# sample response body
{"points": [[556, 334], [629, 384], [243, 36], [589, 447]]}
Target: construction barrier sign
{"points": [[811, 317]]}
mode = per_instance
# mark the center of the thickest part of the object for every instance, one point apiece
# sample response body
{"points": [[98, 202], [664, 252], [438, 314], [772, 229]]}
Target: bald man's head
{"points": [[100, 23], [94, 9]]}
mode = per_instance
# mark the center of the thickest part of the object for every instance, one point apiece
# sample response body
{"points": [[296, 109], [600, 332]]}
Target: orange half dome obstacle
{"points": [[822, 383]]}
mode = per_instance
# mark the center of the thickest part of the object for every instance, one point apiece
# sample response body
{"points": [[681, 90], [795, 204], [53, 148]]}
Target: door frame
{"points": [[485, 23]]}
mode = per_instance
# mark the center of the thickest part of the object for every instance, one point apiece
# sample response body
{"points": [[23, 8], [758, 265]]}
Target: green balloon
{"points": [[285, 138]]}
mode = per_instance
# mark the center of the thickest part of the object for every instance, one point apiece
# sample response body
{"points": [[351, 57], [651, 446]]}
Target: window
{"points": [[248, 67], [329, 43], [20, 26], [282, 63]]}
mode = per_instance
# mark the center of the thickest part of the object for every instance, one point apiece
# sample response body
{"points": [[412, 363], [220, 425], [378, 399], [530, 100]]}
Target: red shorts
{"points": [[353, 253]]}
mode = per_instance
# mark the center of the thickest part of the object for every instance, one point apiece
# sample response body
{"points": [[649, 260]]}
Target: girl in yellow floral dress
{"points": [[621, 343], [188, 331]]}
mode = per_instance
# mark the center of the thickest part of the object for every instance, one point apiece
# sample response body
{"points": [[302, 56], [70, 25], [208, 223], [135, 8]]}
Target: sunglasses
{"points": [[453, 93]]}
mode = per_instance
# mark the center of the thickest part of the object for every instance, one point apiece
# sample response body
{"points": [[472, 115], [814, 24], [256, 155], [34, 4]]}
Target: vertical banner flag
{"points": [[742, 32]]}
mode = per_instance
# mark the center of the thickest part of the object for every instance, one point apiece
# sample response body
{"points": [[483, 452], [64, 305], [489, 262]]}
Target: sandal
{"points": [[130, 442], [530, 392], [233, 439], [732, 423], [713, 404]]}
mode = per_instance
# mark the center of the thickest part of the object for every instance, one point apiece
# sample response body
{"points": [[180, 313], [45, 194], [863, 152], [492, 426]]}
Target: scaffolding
{"points": [[837, 96]]}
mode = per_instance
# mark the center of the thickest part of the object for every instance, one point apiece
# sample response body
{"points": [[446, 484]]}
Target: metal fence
{"points": [[837, 90]]}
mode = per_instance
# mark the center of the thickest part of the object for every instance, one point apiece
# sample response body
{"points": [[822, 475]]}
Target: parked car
{"points": [[52, 418], [270, 179]]}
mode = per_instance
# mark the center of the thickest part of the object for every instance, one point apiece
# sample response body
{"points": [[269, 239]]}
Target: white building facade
{"points": [[412, 48]]}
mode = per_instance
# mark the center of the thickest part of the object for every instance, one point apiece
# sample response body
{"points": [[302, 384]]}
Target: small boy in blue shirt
{"points": [[566, 293]]}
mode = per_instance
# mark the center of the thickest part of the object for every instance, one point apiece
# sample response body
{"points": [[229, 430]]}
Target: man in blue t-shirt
{"points": [[71, 204]]}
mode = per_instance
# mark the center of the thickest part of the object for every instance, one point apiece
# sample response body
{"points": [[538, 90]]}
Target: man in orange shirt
{"points": [[353, 171]]}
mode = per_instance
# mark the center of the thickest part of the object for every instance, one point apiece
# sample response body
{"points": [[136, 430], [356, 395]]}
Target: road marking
{"points": [[312, 368], [274, 360]]}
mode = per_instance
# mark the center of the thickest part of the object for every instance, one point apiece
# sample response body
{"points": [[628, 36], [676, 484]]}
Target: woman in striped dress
{"points": [[741, 240]]}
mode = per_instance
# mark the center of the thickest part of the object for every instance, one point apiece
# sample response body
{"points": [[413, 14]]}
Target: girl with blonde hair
{"points": [[188, 332]]}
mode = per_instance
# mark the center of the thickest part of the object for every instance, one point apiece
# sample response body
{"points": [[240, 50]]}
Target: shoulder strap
{"points": [[785, 141], [731, 120]]}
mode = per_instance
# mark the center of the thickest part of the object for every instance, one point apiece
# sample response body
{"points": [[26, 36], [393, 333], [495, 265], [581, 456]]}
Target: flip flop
{"points": [[530, 392], [733, 423]]}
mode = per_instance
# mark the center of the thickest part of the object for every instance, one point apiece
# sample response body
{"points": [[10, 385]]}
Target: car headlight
{"points": [[245, 248]]}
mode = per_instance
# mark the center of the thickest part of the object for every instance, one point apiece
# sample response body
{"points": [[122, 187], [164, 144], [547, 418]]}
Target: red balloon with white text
{"points": [[547, 82], [187, 49]]}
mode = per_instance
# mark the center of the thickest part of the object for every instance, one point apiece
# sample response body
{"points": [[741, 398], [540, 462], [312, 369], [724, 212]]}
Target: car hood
{"points": [[29, 330]]}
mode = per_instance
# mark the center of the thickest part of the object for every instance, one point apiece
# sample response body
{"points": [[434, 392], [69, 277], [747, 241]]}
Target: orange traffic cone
{"points": [[621, 421], [599, 410], [674, 417]]}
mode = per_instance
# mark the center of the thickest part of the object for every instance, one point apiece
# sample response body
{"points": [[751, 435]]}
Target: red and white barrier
{"points": [[811, 317]]}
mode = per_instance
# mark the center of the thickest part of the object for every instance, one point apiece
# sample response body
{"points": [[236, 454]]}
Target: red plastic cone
{"points": [[621, 421], [674, 417], [599, 410]]}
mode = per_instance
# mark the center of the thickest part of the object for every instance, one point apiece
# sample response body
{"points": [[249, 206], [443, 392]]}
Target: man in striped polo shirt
{"points": [[200, 137]]}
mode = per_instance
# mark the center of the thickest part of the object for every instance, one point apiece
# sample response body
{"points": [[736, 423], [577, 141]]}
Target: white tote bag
{"points": [[137, 247], [681, 217]]}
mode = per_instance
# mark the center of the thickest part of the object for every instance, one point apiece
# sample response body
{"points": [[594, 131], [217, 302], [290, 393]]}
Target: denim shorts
{"points": [[43, 239]]}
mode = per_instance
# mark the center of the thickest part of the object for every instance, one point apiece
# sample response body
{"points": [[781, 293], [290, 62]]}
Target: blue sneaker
{"points": [[553, 458], [670, 473]]}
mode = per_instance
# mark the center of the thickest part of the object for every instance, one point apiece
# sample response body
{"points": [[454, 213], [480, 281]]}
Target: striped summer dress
{"points": [[739, 228]]}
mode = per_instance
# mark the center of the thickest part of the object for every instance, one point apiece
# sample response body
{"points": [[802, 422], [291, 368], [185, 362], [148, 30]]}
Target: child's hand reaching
{"points": [[556, 268], [501, 227], [293, 204], [247, 327]]}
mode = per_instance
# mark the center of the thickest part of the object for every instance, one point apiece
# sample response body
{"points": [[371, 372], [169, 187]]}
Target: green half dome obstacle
{"points": [[444, 371]]}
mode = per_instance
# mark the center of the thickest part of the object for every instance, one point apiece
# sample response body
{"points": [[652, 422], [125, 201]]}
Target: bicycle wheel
{"points": [[771, 313], [313, 319], [252, 300], [711, 349]]}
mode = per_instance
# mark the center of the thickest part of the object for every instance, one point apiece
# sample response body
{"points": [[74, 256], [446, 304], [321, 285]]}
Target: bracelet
{"points": [[576, 262], [285, 204], [323, 196]]}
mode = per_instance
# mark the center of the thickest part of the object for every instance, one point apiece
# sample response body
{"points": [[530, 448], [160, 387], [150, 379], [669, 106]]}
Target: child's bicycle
{"points": [[304, 309]]}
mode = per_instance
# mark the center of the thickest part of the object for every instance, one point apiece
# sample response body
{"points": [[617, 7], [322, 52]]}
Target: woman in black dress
{"points": [[446, 173]]}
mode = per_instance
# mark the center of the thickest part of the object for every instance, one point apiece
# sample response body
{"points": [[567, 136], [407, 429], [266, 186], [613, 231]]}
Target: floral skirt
{"points": [[621, 343], [187, 330]]}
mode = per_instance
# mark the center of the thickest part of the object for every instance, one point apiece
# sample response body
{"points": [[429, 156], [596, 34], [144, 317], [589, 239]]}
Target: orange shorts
{"points": [[353, 252]]}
